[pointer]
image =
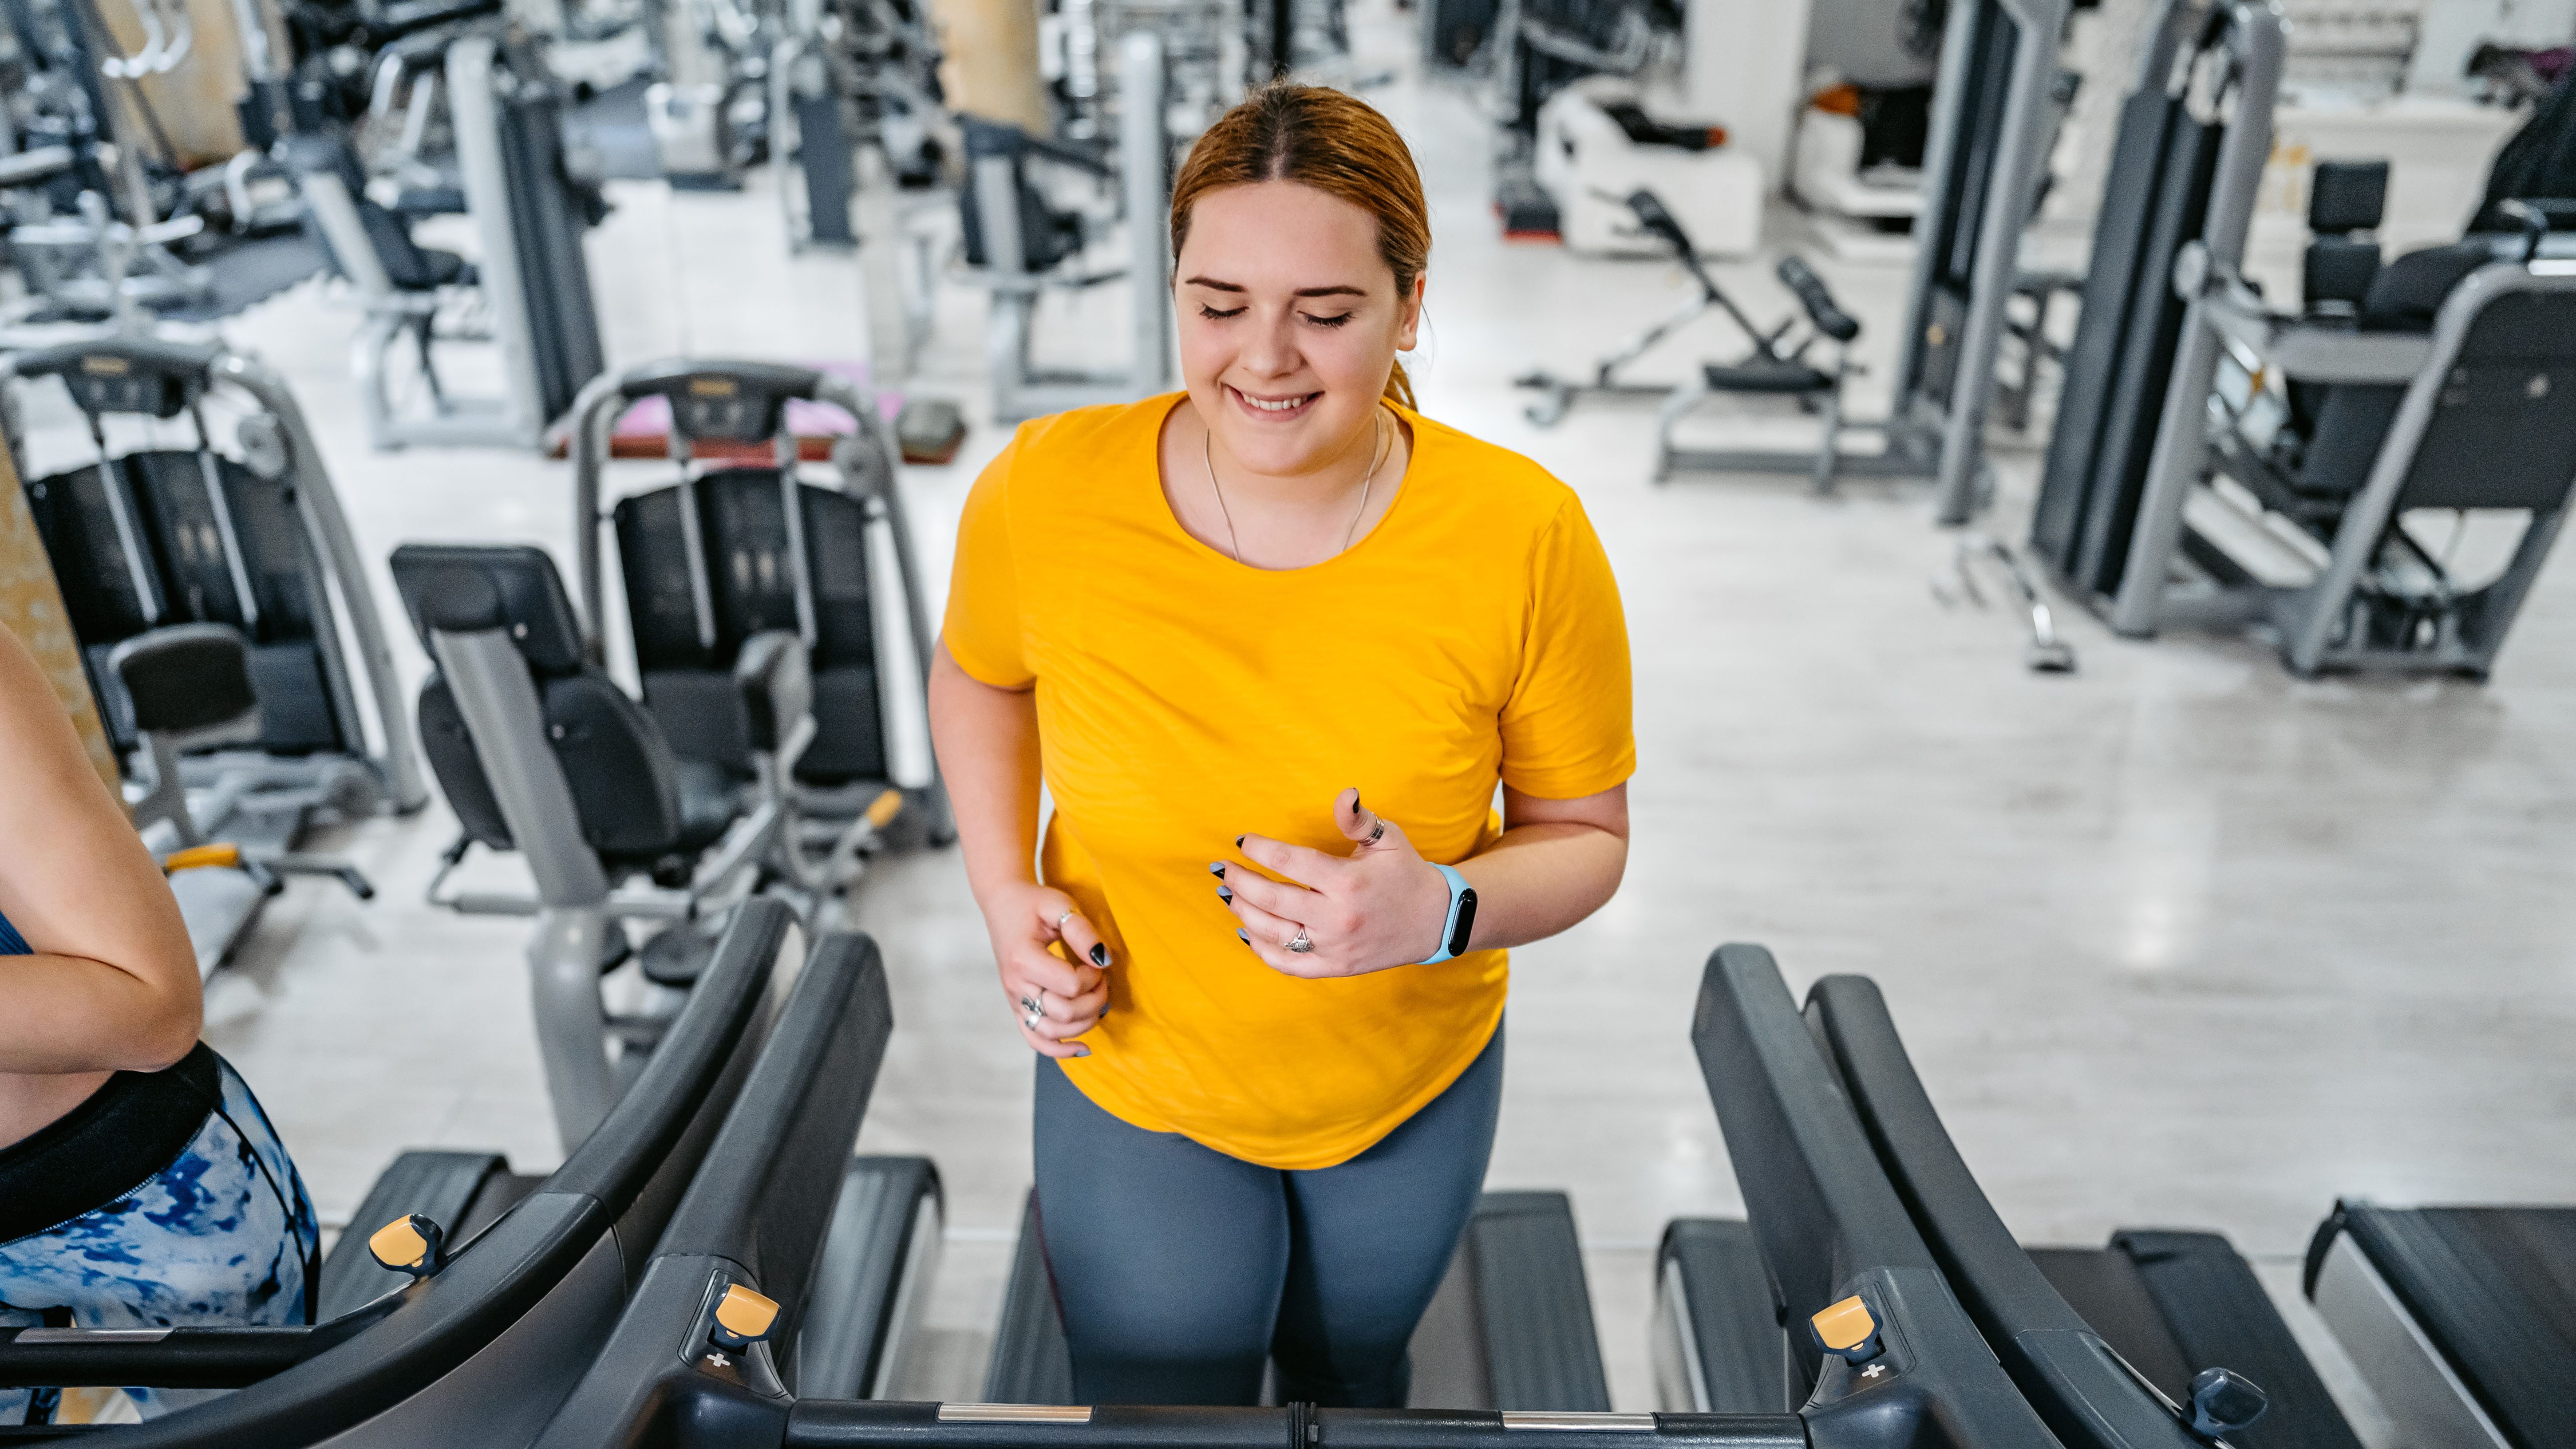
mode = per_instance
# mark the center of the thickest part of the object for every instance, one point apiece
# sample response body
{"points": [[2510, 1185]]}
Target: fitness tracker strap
{"points": [[1462, 917]]}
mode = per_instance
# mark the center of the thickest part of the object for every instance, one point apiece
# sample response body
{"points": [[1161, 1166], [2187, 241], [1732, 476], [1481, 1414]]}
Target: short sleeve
{"points": [[982, 629], [1568, 728]]}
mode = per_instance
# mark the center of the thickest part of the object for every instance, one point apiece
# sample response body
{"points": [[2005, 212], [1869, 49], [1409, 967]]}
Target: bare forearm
{"points": [[71, 1014], [987, 741], [1539, 879]]}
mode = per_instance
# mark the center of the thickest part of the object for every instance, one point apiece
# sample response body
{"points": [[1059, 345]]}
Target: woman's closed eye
{"points": [[1334, 321], [1214, 315]]}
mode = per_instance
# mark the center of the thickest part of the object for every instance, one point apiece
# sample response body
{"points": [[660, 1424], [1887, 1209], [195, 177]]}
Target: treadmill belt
{"points": [[2495, 1290], [2220, 1316]]}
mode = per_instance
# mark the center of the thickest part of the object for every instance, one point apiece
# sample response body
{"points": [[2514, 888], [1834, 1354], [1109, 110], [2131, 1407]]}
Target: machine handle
{"points": [[1822, 309]]}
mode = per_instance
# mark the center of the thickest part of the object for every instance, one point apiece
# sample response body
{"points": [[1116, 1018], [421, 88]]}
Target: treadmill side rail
{"points": [[2432, 1407]]}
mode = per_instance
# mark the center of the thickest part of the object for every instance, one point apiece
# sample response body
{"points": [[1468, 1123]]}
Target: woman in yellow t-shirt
{"points": [[1272, 645]]}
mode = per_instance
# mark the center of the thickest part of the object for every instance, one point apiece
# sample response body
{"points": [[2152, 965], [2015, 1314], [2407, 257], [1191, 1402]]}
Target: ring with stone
{"points": [[1299, 943]]}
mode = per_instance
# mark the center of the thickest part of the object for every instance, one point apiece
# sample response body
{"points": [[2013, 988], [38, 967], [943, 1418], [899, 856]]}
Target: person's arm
{"points": [[987, 739], [112, 985], [1383, 905]]}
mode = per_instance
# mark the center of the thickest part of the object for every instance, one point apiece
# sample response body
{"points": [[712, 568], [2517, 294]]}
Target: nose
{"points": [[1271, 350]]}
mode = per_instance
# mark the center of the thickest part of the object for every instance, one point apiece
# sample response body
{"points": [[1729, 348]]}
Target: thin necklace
{"points": [[1235, 544]]}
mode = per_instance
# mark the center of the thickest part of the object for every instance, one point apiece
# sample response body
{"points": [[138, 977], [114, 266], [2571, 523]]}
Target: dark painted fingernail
{"points": [[1243, 935], [1217, 868], [1223, 894], [1099, 954], [1238, 842], [1086, 1051]]}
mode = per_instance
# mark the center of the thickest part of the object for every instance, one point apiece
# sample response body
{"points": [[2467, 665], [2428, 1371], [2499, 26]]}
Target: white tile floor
{"points": [[2176, 941]]}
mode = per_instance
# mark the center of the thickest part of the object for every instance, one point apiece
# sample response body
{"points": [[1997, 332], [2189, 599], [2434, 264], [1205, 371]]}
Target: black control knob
{"points": [[2224, 1401]]}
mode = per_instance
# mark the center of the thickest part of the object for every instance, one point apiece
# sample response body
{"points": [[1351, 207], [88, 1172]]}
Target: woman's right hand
{"points": [[1052, 999]]}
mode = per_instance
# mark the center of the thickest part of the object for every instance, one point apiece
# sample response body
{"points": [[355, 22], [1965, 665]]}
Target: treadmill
{"points": [[2159, 1339], [1510, 1327], [518, 1296], [2462, 1318], [710, 1353]]}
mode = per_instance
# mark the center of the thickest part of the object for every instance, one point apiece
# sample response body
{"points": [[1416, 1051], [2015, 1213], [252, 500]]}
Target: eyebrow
{"points": [[1213, 285]]}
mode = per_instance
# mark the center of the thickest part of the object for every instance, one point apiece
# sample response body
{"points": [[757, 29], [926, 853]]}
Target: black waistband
{"points": [[97, 1152]]}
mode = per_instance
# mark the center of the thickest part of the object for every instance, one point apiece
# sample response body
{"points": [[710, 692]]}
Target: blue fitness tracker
{"points": [[1462, 917]]}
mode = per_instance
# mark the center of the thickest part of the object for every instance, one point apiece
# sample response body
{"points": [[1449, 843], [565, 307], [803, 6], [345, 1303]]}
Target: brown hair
{"points": [[1329, 140]]}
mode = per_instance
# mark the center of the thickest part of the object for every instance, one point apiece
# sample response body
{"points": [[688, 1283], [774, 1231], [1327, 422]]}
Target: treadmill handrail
{"points": [[2077, 1383], [1828, 1222], [755, 1214], [502, 1272]]}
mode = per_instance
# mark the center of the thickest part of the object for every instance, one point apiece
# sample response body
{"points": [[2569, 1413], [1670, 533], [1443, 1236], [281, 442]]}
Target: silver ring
{"points": [[1377, 832], [1060, 920], [1299, 943]]}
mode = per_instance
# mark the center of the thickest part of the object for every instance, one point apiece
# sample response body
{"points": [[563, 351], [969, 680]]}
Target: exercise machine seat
{"points": [[185, 678], [1767, 377], [640, 806]]}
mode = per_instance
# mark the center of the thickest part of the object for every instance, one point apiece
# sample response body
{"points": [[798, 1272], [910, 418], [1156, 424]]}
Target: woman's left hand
{"points": [[1382, 905]]}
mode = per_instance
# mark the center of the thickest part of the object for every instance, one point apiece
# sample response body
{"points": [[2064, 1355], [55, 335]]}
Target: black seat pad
{"points": [[1788, 378]]}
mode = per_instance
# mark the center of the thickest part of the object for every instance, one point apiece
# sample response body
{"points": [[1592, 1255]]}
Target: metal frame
{"points": [[1948, 442], [342, 593], [1021, 390], [2223, 311]]}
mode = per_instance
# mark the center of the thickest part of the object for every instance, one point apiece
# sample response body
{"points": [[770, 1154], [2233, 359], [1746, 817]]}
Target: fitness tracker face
{"points": [[1462, 917]]}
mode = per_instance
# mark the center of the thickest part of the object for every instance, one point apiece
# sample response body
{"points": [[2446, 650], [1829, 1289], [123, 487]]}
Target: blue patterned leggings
{"points": [[104, 1225]]}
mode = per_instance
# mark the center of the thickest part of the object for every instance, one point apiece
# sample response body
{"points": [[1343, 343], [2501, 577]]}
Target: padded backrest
{"points": [[624, 780], [180, 536], [2503, 430], [2407, 292], [2347, 196], [742, 519]]}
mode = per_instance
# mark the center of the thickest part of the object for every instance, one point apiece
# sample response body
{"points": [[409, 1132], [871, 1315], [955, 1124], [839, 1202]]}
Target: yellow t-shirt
{"points": [[1183, 699]]}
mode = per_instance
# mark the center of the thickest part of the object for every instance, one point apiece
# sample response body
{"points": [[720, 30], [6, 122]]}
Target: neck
{"points": [[1330, 482]]}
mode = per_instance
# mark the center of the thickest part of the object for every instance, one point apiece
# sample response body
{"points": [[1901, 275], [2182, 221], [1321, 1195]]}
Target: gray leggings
{"points": [[1179, 1270]]}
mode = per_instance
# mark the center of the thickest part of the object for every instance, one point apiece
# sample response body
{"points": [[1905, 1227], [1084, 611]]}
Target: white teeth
{"points": [[1272, 407]]}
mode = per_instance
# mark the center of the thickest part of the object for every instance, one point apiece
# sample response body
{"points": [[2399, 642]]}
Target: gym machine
{"points": [[1016, 236], [2161, 1339], [539, 751], [466, 1317], [1880, 1351], [528, 292], [2224, 464], [227, 627], [741, 543]]}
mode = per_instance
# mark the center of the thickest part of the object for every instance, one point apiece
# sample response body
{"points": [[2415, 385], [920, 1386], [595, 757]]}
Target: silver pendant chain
{"points": [[1235, 544]]}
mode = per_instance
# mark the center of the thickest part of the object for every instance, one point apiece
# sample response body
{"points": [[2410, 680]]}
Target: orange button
{"points": [[1845, 1325], [745, 1314], [398, 1244]]}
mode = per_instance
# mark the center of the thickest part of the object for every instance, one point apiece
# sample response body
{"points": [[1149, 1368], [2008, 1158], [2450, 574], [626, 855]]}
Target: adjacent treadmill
{"points": [[482, 1346], [2462, 1318], [2104, 1341]]}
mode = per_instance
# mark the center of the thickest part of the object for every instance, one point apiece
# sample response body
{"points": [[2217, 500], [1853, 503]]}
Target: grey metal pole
{"points": [[499, 701], [1143, 155], [2009, 191], [473, 110]]}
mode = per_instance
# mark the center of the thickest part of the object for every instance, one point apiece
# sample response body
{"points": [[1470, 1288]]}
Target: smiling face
{"points": [[1289, 322]]}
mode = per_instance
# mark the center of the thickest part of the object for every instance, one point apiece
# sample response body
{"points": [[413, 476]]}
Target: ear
{"points": [[1408, 319]]}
